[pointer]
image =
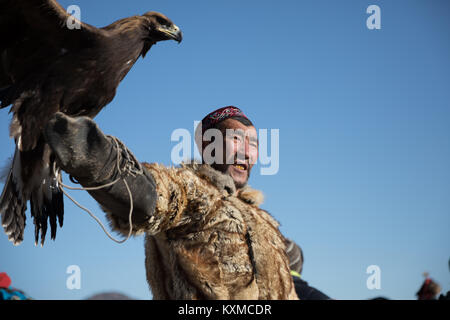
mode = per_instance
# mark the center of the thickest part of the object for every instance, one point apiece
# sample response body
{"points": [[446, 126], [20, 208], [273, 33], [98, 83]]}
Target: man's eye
{"points": [[237, 138]]}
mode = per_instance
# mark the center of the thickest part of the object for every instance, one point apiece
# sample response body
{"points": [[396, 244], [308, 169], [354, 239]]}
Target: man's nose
{"points": [[244, 152], [247, 150]]}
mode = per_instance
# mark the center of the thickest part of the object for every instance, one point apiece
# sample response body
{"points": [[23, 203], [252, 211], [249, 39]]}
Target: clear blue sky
{"points": [[364, 120]]}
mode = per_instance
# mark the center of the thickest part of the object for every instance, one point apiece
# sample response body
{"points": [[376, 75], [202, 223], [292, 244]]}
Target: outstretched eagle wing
{"points": [[34, 35], [35, 32], [47, 66]]}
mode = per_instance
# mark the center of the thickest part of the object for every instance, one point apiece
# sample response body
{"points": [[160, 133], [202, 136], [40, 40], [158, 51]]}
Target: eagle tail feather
{"points": [[47, 206], [44, 193], [55, 204], [13, 203]]}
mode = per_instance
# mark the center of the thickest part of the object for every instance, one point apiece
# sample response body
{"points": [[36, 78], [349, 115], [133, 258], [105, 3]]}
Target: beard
{"points": [[240, 179]]}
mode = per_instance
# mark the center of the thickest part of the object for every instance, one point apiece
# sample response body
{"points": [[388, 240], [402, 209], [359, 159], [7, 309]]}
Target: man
{"points": [[9, 293], [429, 289], [206, 237], [302, 288]]}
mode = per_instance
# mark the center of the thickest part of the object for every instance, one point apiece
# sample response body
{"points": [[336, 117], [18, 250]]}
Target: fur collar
{"points": [[225, 183]]}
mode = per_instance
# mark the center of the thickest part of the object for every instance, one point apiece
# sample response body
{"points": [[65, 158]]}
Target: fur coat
{"points": [[207, 240]]}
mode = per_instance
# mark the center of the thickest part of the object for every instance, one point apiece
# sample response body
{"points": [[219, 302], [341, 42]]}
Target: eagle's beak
{"points": [[173, 33]]}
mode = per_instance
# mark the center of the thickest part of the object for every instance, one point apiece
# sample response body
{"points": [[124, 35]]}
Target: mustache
{"points": [[239, 159]]}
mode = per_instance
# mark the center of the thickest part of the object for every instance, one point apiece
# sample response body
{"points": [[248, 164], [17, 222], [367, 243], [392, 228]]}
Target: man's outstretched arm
{"points": [[160, 194], [83, 151]]}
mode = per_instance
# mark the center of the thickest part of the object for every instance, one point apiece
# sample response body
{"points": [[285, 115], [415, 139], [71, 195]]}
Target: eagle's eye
{"points": [[162, 21]]}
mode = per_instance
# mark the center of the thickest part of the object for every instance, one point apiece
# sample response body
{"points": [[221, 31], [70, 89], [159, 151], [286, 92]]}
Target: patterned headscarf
{"points": [[219, 115], [213, 118]]}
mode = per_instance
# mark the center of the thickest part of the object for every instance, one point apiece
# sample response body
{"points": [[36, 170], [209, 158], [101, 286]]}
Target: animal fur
{"points": [[207, 240]]}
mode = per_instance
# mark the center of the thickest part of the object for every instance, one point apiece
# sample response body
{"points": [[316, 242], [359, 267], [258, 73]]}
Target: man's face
{"points": [[240, 151]]}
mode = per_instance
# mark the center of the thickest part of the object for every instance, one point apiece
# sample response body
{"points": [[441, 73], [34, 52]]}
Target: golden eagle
{"points": [[45, 67]]}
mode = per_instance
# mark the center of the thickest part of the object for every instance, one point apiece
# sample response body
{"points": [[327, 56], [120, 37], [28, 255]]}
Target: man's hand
{"points": [[80, 147], [86, 153]]}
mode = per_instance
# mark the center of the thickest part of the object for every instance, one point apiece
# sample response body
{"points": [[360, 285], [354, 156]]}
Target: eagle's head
{"points": [[160, 28]]}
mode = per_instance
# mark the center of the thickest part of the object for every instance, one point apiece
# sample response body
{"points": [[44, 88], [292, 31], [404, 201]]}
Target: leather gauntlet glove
{"points": [[88, 155]]}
